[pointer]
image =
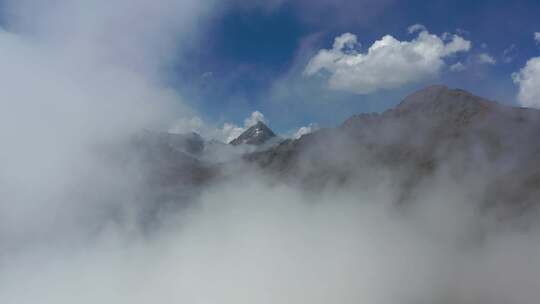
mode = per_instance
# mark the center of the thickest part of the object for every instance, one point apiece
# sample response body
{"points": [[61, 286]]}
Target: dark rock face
{"points": [[191, 143], [255, 135], [434, 130], [171, 159], [165, 168]]}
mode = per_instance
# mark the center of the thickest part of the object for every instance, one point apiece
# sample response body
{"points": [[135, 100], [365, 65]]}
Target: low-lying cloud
{"points": [[80, 79], [251, 240]]}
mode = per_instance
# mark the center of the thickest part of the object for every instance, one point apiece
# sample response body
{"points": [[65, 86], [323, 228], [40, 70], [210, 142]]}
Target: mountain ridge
{"points": [[433, 130], [255, 135]]}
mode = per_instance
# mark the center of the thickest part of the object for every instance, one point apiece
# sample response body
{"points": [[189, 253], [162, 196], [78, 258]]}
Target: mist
{"points": [[271, 243], [81, 79], [78, 77]]}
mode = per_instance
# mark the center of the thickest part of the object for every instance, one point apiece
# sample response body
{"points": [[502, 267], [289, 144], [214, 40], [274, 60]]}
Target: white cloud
{"points": [[228, 132], [253, 119], [388, 63], [528, 80], [458, 67], [416, 28], [305, 130], [485, 58], [457, 44]]}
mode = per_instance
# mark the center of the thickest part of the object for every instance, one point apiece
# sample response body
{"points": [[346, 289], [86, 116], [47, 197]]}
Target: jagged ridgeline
{"points": [[255, 135], [434, 131]]}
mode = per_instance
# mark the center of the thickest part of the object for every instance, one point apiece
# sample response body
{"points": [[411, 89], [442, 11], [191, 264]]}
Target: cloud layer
{"points": [[387, 64], [79, 79]]}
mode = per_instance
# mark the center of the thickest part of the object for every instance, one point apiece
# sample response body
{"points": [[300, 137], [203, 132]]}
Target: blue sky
{"points": [[247, 51], [246, 56]]}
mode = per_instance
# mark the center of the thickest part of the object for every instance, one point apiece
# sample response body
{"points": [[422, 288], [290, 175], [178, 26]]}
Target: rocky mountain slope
{"points": [[433, 132], [437, 133], [255, 135]]}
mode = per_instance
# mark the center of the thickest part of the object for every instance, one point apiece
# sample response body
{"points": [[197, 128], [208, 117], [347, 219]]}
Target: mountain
{"points": [[171, 159], [489, 149], [255, 135], [191, 143], [187, 143], [434, 132]]}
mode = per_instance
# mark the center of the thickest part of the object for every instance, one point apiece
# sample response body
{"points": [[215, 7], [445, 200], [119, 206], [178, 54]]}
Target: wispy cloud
{"points": [[510, 53], [77, 79], [485, 58], [458, 67]]}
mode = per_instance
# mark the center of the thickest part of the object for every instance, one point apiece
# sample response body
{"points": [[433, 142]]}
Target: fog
{"points": [[81, 78], [250, 241], [78, 76]]}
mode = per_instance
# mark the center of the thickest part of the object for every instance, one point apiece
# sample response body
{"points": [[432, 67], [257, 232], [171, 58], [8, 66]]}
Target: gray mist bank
{"points": [[381, 210]]}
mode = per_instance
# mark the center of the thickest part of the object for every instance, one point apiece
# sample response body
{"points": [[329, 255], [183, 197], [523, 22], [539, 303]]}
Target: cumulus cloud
{"points": [[528, 80], [387, 64], [485, 58], [253, 119]]}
